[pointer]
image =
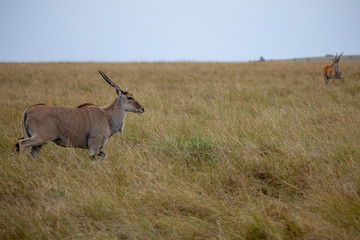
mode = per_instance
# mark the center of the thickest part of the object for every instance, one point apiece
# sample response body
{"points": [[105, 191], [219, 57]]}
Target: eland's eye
{"points": [[130, 98]]}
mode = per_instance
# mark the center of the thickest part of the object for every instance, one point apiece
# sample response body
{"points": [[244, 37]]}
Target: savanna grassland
{"points": [[260, 150]]}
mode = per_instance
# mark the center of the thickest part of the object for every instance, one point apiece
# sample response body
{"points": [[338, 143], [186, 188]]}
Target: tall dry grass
{"points": [[224, 150]]}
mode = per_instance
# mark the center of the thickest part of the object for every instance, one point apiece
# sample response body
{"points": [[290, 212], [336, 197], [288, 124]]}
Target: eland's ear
{"points": [[118, 90]]}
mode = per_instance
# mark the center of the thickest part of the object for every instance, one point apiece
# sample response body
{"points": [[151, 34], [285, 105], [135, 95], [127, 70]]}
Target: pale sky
{"points": [[176, 30]]}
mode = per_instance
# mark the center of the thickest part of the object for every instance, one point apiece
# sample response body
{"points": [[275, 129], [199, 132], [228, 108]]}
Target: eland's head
{"points": [[126, 99], [336, 60]]}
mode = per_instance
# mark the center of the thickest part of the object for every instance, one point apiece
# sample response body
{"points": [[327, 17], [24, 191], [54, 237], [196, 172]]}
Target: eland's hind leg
{"points": [[17, 146], [35, 151], [34, 142], [102, 155]]}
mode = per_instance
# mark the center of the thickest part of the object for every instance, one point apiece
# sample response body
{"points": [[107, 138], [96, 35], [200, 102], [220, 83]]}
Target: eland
{"points": [[87, 126], [333, 70]]}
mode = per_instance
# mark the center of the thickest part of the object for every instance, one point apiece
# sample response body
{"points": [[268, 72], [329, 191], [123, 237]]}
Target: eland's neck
{"points": [[116, 116], [337, 69]]}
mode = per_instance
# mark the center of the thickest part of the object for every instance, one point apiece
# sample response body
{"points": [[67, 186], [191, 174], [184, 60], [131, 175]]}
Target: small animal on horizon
{"points": [[86, 126], [333, 70]]}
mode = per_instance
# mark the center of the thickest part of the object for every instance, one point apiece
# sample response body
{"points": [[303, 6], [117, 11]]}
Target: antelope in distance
{"points": [[333, 70], [87, 126]]}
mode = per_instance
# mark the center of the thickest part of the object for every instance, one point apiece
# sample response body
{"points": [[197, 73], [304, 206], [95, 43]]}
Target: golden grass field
{"points": [[260, 150]]}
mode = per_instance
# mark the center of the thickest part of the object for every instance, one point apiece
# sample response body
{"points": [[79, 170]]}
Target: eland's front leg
{"points": [[95, 148]]}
